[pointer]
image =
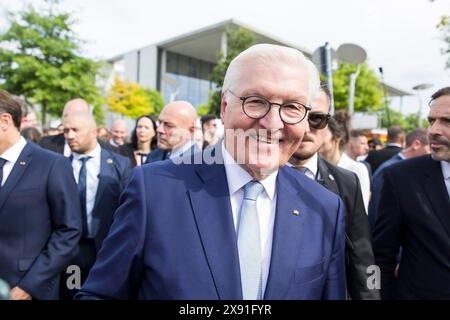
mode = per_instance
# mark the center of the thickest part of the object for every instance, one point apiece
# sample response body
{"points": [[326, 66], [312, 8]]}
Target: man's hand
{"points": [[19, 294]]}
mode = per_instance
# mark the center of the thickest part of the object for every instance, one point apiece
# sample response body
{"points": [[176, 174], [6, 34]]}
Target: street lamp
{"points": [[418, 88], [353, 54]]}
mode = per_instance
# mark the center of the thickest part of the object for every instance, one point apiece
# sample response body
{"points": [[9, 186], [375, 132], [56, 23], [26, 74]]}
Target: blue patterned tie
{"points": [[2, 163], [82, 194], [249, 247]]}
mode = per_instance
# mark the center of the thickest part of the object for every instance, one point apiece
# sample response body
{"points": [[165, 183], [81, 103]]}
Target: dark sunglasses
{"points": [[318, 120]]}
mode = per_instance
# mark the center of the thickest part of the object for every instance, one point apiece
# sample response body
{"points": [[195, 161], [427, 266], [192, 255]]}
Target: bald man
{"points": [[101, 176], [175, 131], [57, 143], [118, 133]]}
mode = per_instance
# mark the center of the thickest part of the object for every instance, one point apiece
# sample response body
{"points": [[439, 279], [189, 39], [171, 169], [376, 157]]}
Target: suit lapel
{"points": [[106, 171], [212, 211], [287, 236], [326, 178], [22, 163], [436, 191]]}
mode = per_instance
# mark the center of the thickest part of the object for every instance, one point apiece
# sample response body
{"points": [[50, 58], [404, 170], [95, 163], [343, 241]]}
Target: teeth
{"points": [[265, 139]]}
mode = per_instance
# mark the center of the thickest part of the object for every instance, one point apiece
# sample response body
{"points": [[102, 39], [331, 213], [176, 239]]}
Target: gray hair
{"points": [[267, 53]]}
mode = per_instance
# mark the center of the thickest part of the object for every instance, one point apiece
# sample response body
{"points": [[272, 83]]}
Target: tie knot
{"points": [[84, 159], [2, 163], [252, 190], [303, 169]]}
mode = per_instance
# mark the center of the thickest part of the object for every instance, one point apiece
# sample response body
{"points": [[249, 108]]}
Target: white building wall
{"points": [[148, 67], [131, 65]]}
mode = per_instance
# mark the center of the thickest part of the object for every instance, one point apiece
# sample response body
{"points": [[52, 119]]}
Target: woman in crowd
{"points": [[143, 140]]}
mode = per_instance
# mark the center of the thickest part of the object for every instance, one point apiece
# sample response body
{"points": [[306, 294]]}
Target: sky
{"points": [[398, 35]]}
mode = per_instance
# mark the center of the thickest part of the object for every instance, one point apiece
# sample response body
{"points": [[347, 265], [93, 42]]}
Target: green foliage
{"points": [[368, 92], [237, 41], [40, 60], [444, 27], [132, 100], [156, 100], [202, 110], [407, 123]]}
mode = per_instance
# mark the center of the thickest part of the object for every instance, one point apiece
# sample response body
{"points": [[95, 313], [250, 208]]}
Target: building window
{"points": [[187, 79]]}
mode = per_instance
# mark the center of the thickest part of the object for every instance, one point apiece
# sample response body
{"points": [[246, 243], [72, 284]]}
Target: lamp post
{"points": [[353, 54], [418, 88]]}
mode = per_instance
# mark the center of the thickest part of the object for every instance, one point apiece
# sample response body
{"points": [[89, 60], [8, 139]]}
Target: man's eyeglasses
{"points": [[318, 120], [257, 107]]}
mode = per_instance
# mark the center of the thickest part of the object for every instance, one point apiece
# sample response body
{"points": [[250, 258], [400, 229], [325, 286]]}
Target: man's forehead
{"points": [[440, 107]]}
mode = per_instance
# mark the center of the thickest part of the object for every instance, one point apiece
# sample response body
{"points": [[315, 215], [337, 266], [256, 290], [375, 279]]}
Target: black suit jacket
{"points": [[358, 248], [56, 144], [376, 157], [40, 222], [414, 214]]}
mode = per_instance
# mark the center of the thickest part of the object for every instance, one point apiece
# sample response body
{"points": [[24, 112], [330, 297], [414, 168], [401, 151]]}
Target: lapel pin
{"points": [[22, 163], [331, 177], [109, 161], [295, 212]]}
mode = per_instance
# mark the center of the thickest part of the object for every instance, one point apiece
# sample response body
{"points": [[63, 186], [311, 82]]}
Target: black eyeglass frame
{"points": [[244, 98], [323, 123]]}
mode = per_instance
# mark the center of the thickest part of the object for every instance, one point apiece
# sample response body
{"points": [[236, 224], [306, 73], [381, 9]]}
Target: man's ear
{"points": [[5, 121], [416, 144], [223, 106]]}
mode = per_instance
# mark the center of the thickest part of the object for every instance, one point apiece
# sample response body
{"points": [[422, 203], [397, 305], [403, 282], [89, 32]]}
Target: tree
{"points": [[444, 27], [368, 92], [237, 41], [130, 99], [407, 123], [40, 60]]}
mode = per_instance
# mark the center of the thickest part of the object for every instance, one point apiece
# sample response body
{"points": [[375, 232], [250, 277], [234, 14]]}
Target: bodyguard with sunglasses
{"points": [[358, 249]]}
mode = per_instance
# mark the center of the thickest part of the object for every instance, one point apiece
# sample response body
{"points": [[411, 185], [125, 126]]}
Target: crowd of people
{"points": [[290, 203]]}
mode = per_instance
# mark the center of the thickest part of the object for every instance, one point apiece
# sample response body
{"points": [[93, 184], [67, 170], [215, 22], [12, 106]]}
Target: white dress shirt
{"points": [[237, 178], [445, 166], [311, 166], [11, 155], [363, 174], [67, 152], [92, 179], [179, 152]]}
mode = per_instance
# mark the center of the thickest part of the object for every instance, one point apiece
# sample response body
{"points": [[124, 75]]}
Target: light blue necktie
{"points": [[249, 246]]}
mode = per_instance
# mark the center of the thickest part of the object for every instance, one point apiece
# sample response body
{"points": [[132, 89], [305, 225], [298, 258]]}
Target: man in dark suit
{"points": [[175, 132], [417, 144], [40, 218], [395, 143], [57, 143], [236, 224], [359, 254], [413, 214], [101, 176]]}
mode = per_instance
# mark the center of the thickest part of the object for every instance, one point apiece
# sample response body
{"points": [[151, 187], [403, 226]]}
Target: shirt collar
{"points": [[13, 153], [95, 153], [393, 144], [311, 164], [182, 149], [445, 166], [237, 177]]}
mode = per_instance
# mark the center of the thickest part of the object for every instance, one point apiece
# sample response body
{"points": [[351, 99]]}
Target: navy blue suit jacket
{"points": [[114, 173], [40, 222], [173, 237], [414, 213]]}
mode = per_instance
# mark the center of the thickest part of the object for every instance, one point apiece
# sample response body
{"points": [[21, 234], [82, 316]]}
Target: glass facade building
{"points": [[187, 78]]}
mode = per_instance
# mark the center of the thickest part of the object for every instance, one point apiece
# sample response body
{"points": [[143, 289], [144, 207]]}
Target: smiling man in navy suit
{"points": [[236, 224], [40, 219], [101, 176]]}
